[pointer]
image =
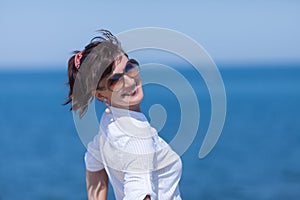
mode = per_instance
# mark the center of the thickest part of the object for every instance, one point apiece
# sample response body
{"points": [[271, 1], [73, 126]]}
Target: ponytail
{"points": [[88, 67]]}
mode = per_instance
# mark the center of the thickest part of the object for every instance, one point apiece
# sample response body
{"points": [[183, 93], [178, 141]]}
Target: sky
{"points": [[42, 34]]}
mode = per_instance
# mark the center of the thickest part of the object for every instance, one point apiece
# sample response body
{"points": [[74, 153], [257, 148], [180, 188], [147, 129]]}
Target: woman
{"points": [[127, 150]]}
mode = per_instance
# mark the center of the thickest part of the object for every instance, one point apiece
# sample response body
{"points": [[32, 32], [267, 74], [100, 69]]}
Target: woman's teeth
{"points": [[131, 93]]}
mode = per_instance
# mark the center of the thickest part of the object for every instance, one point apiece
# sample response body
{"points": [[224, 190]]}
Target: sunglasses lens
{"points": [[132, 69], [115, 82]]}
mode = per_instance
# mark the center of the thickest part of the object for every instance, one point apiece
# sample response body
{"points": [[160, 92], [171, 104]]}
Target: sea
{"points": [[257, 156]]}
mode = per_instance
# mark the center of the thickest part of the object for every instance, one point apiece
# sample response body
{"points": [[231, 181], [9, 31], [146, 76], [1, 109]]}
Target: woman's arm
{"points": [[97, 184]]}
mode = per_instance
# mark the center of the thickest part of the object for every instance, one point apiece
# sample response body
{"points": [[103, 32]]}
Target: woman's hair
{"points": [[97, 61]]}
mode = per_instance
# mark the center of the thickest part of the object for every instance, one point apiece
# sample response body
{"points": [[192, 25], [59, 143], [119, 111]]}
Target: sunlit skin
{"points": [[130, 96]]}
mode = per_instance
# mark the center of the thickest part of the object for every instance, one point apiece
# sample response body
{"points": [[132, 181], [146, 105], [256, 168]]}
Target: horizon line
{"points": [[219, 64]]}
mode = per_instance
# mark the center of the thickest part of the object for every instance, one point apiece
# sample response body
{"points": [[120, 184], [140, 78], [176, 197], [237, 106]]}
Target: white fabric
{"points": [[137, 161]]}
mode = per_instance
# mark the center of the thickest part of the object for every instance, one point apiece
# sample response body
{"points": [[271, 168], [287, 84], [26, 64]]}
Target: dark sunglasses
{"points": [[115, 82]]}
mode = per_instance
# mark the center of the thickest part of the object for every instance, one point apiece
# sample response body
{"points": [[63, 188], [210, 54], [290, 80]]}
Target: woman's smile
{"points": [[132, 93]]}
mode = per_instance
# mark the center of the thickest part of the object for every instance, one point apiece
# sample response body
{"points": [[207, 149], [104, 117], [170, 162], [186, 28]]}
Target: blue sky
{"points": [[43, 33]]}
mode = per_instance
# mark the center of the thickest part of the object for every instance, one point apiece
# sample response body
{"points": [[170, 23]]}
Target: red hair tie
{"points": [[78, 56]]}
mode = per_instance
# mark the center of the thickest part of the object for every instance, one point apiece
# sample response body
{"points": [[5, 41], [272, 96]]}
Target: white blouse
{"points": [[138, 162]]}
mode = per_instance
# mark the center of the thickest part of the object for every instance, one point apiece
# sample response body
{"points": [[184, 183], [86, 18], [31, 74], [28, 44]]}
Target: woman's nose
{"points": [[128, 81]]}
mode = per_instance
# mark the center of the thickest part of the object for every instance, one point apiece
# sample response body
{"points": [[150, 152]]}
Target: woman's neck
{"points": [[135, 108]]}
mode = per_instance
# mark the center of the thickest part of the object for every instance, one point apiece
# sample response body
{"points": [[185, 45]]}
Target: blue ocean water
{"points": [[256, 157]]}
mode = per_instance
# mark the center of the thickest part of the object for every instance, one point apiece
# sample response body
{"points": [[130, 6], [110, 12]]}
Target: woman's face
{"points": [[130, 94]]}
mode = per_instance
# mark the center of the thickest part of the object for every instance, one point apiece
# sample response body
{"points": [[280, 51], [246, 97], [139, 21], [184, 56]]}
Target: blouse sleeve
{"points": [[92, 156]]}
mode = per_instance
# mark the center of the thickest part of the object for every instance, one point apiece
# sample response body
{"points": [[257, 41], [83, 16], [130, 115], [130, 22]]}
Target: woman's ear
{"points": [[98, 95]]}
